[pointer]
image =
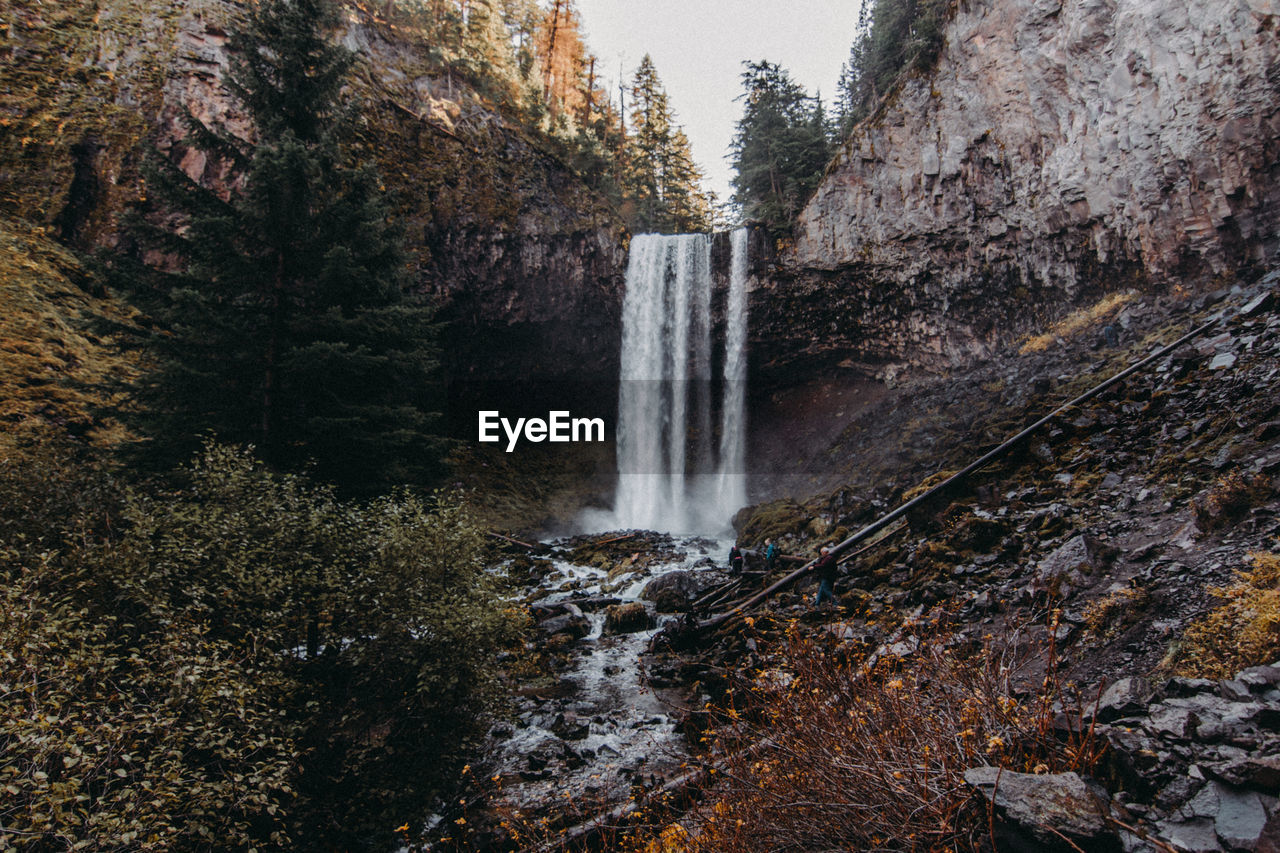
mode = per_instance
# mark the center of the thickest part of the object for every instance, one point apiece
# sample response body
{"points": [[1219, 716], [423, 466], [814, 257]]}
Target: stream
{"points": [[596, 729]]}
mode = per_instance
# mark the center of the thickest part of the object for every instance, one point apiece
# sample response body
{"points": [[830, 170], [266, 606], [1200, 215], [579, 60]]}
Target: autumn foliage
{"points": [[825, 750]]}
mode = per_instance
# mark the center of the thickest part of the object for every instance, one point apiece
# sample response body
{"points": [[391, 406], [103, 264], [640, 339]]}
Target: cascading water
{"points": [[667, 479]]}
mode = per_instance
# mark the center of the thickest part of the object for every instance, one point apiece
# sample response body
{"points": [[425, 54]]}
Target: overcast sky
{"points": [[698, 47]]}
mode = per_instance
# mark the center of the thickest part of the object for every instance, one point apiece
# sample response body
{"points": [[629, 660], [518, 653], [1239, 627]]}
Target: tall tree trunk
{"points": [[551, 53]]}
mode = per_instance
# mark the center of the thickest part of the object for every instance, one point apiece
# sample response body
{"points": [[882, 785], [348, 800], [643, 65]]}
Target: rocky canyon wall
{"points": [[525, 260], [1062, 148]]}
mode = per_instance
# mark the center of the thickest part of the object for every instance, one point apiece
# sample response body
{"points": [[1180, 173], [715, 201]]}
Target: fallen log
{"points": [[615, 539], [509, 539], [715, 593], [988, 457]]}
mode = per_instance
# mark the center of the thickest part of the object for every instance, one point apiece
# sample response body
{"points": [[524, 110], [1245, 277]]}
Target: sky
{"points": [[698, 47]]}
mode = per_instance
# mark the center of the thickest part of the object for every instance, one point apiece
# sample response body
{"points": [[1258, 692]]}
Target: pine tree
{"points": [[286, 327], [661, 181], [781, 147], [894, 36]]}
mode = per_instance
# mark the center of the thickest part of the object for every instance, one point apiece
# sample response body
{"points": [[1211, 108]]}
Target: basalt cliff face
{"points": [[516, 248], [1061, 148]]}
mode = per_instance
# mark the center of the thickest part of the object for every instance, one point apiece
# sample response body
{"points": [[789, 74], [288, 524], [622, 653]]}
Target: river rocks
{"points": [[675, 592], [574, 625], [626, 618]]}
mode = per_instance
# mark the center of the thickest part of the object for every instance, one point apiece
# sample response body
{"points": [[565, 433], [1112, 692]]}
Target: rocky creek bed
{"points": [[591, 729]]}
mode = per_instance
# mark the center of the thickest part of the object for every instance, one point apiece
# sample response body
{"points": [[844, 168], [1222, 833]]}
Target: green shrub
{"points": [[240, 661]]}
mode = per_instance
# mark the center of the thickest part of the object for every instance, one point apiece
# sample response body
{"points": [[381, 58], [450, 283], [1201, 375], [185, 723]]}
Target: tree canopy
{"points": [[894, 37], [781, 146], [661, 182]]}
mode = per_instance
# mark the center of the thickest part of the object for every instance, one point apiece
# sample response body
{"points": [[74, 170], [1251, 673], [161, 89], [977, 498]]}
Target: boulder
{"points": [[573, 624], [626, 618], [1124, 697], [674, 592], [1066, 567], [1238, 817], [1048, 807]]}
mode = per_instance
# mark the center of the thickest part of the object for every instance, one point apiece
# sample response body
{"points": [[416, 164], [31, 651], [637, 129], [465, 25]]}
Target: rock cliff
{"points": [[1061, 148], [515, 246]]}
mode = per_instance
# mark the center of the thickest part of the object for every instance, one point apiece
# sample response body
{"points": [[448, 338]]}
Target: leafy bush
{"points": [[1243, 631], [239, 661], [115, 739]]}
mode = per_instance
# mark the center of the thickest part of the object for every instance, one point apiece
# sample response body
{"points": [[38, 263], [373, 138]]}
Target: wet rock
{"points": [[1255, 772], [1222, 360], [1259, 678], [591, 605], [626, 618], [1178, 723], [1192, 836], [1066, 567], [573, 624], [1238, 817], [570, 727], [1043, 805], [676, 591], [1260, 304]]}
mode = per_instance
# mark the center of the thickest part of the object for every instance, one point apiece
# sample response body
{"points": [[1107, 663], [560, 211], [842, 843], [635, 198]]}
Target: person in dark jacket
{"points": [[770, 556], [826, 570], [736, 561]]}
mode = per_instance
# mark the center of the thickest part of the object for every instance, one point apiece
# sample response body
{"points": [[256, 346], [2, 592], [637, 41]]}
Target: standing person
{"points": [[770, 556], [736, 562], [826, 570]]}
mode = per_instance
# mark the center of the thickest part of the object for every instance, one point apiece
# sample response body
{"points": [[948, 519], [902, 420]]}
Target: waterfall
{"points": [[731, 486], [667, 478]]}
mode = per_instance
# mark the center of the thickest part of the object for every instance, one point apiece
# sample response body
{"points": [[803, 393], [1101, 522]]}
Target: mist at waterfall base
{"points": [[682, 423]]}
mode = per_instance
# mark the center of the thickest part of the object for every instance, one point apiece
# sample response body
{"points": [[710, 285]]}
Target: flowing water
{"points": [[600, 728], [668, 477]]}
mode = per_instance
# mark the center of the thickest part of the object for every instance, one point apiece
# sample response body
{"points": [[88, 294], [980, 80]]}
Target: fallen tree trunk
{"points": [[509, 539]]}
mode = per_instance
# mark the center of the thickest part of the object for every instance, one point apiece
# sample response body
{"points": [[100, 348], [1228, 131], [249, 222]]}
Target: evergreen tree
{"points": [[894, 37], [287, 327], [661, 182], [781, 147]]}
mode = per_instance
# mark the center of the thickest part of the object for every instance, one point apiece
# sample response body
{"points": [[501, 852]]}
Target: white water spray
{"points": [[731, 488], [667, 479]]}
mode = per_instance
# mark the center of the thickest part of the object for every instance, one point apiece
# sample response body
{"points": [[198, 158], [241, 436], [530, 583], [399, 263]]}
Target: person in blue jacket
{"points": [[770, 556]]}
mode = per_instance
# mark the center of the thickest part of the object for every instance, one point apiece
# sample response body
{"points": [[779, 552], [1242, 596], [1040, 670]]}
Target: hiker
{"points": [[770, 556], [826, 570], [736, 561]]}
